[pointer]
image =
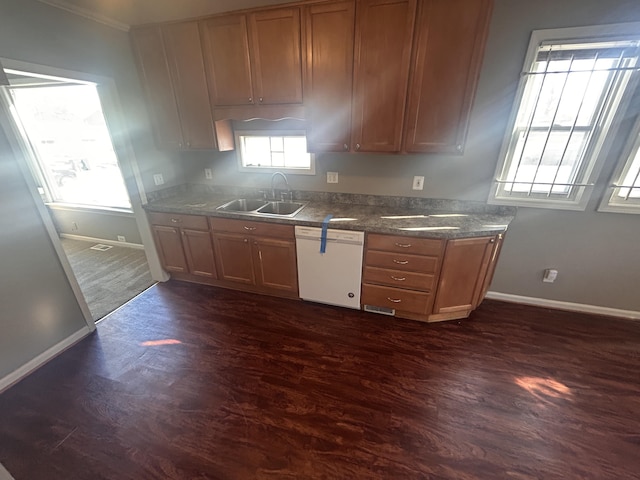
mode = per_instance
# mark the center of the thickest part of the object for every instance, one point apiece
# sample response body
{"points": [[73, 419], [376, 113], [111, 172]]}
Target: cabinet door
{"points": [[276, 56], [184, 53], [464, 270], [170, 248], [448, 50], [276, 264], [199, 253], [225, 45], [235, 262], [329, 48], [156, 81], [384, 32]]}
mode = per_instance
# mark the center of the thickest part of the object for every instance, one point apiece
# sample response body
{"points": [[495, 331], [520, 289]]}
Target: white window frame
{"points": [[611, 201], [596, 149], [268, 169]]}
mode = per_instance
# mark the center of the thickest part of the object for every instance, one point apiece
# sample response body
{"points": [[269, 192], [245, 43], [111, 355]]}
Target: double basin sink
{"points": [[249, 206]]}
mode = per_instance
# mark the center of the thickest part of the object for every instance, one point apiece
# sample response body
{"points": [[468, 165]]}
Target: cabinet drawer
{"points": [[193, 222], [411, 245], [404, 262], [403, 300], [263, 229], [397, 278]]}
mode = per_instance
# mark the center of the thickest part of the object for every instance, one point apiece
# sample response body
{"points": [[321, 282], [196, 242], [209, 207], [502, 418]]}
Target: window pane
{"points": [[275, 152], [67, 130], [256, 151]]}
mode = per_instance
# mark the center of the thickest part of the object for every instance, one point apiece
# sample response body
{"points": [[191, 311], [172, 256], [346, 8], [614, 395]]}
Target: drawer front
{"points": [[192, 222], [410, 245], [249, 227], [398, 278], [404, 262], [403, 300]]}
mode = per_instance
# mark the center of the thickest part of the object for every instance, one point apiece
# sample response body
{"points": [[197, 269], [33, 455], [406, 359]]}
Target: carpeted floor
{"points": [[110, 278]]}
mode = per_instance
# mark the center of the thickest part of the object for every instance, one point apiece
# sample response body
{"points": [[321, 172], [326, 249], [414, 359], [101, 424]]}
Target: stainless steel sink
{"points": [[281, 208], [252, 206], [243, 205]]}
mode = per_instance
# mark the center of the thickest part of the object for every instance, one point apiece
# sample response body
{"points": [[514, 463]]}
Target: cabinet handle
{"points": [[394, 300], [403, 245], [357, 146], [250, 228], [246, 240], [400, 262], [175, 220], [459, 148], [399, 279], [493, 240], [345, 146]]}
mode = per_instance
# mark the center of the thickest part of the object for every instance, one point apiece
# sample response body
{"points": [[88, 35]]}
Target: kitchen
{"points": [[593, 251]]}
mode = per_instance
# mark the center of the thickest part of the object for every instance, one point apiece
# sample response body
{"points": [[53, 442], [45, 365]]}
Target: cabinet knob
{"points": [[260, 99], [175, 220], [357, 146], [250, 99], [493, 240], [246, 240], [189, 144], [345, 146], [459, 148]]}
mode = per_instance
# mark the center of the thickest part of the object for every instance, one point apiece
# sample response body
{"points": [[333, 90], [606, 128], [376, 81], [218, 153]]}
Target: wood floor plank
{"points": [[194, 382]]}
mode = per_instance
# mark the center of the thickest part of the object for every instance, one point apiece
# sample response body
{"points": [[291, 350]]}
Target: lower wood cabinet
{"points": [[256, 254], [184, 244], [428, 279]]}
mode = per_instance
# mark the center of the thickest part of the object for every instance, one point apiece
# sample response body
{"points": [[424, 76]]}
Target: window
{"points": [[73, 157], [624, 193], [284, 151], [572, 93]]}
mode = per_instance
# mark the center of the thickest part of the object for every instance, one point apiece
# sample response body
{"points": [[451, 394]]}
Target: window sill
{"points": [[125, 212]]}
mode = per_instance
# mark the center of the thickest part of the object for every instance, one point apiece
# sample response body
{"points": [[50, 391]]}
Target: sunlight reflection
{"points": [[424, 229], [343, 220], [404, 217], [157, 343], [494, 226], [445, 215], [543, 388]]}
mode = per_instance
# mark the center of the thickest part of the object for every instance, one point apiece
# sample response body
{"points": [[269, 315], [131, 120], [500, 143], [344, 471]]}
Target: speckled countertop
{"points": [[394, 215]]}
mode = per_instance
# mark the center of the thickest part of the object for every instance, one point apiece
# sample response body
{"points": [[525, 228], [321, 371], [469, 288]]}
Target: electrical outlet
{"points": [[332, 177], [208, 174], [74, 226], [550, 275], [418, 183], [121, 238], [158, 179]]}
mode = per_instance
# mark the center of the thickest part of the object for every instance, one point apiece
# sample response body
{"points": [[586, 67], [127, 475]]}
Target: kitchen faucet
{"points": [[273, 190]]}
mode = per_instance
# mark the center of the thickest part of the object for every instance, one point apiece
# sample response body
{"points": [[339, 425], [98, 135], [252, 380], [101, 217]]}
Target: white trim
{"points": [[86, 13], [121, 212], [115, 243], [560, 305], [4, 474], [20, 373]]}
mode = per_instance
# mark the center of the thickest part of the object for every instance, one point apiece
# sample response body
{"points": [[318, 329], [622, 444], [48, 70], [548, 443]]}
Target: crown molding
{"points": [[86, 13]]}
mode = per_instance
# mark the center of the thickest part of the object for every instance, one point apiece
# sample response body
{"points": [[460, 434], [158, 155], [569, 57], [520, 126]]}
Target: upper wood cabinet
{"points": [[383, 38], [328, 84], [446, 61], [170, 62], [158, 85], [254, 59]]}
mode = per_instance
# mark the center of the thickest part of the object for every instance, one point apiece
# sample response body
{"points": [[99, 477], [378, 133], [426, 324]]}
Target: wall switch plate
{"points": [[74, 226], [332, 177], [418, 183], [158, 179], [208, 173], [550, 275], [122, 238]]}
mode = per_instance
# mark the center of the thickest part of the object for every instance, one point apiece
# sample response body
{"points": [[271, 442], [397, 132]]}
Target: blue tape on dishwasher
{"points": [[323, 237]]}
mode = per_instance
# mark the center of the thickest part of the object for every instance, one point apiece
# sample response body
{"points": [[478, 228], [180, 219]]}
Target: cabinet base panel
{"points": [[185, 277]]}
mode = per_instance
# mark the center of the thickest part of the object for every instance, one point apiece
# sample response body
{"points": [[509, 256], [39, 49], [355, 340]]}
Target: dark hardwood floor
{"points": [[194, 382]]}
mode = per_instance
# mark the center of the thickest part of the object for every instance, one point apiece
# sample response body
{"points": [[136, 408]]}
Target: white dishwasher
{"points": [[332, 277]]}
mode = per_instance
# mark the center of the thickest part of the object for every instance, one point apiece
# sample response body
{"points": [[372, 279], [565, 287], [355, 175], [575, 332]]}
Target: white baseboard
{"points": [[4, 474], [41, 359], [557, 304], [115, 243]]}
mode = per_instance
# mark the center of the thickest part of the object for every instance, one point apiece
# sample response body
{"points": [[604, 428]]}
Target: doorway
{"points": [[62, 129]]}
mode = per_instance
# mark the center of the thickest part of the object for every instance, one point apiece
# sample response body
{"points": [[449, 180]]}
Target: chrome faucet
{"points": [[273, 190]]}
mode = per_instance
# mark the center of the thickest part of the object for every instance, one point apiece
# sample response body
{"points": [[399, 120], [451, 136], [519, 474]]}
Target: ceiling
{"points": [[124, 13]]}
